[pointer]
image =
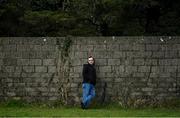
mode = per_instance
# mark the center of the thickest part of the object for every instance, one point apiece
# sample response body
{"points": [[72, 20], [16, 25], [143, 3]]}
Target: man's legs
{"points": [[91, 95], [88, 93]]}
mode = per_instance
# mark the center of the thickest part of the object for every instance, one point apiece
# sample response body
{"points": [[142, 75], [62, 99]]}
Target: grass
{"points": [[24, 110]]}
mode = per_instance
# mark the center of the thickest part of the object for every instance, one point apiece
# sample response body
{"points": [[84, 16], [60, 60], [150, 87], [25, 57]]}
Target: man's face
{"points": [[91, 61]]}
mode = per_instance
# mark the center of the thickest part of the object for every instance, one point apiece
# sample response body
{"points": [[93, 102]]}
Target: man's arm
{"points": [[84, 73]]}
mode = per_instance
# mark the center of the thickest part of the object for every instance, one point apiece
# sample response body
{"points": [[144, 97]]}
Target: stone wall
{"points": [[49, 68]]}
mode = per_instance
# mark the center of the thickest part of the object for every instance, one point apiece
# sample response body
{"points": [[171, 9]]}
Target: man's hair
{"points": [[93, 59], [90, 57]]}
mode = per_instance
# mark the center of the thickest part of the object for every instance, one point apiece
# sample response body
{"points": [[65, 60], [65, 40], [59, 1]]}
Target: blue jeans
{"points": [[88, 93]]}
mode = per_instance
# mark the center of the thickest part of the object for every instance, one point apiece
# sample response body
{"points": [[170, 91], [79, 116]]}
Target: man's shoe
{"points": [[82, 105]]}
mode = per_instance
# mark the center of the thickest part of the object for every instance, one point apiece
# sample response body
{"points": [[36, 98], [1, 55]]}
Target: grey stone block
{"points": [[54, 98], [138, 54], [154, 75], [5, 40], [113, 61], [158, 54], [107, 75], [172, 89], [1, 62], [52, 69], [118, 69], [105, 69], [77, 62], [10, 54], [130, 69], [16, 40], [32, 55], [138, 47], [10, 94], [83, 40], [171, 54], [9, 61], [102, 75], [35, 47], [151, 62], [41, 69], [9, 48], [23, 48], [2, 55], [167, 62], [48, 48], [81, 54], [88, 48], [17, 69], [164, 74], [29, 89], [13, 74], [77, 79], [152, 47], [147, 89], [137, 62], [101, 62], [157, 69], [35, 62], [49, 62], [44, 89], [108, 79], [144, 68], [3, 75], [78, 48], [49, 40], [139, 74], [48, 54], [23, 55], [125, 47], [135, 54], [28, 69], [96, 41], [100, 47], [22, 61], [178, 69], [1, 48], [71, 70], [118, 80], [8, 69], [136, 94], [112, 47], [99, 54], [74, 75], [78, 69], [73, 85], [47, 75], [170, 69], [169, 47], [175, 62], [119, 54], [173, 47]]}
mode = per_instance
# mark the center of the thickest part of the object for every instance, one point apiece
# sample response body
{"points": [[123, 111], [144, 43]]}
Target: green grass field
{"points": [[100, 111]]}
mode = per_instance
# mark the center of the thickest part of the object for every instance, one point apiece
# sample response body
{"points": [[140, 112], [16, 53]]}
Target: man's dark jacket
{"points": [[89, 74]]}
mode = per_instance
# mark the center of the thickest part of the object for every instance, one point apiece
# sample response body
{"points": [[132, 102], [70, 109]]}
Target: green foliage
{"points": [[89, 17], [65, 48], [150, 103], [48, 23], [14, 103]]}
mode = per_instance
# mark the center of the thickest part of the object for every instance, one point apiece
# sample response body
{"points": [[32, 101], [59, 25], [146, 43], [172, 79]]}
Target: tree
{"points": [[89, 17]]}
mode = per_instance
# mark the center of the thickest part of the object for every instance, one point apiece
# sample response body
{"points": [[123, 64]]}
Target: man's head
{"points": [[91, 60]]}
